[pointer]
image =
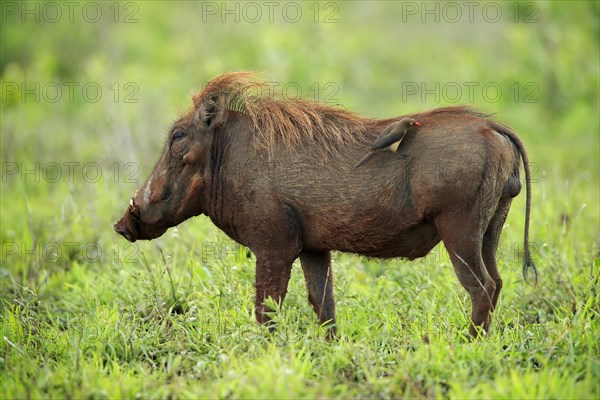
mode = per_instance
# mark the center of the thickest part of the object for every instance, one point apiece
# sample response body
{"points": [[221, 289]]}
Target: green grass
{"points": [[84, 314], [178, 321]]}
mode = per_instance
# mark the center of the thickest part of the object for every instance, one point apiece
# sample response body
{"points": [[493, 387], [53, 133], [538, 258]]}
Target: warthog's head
{"points": [[173, 192]]}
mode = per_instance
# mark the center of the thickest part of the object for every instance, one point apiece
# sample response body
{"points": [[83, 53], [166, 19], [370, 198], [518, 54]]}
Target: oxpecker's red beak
{"points": [[417, 124]]}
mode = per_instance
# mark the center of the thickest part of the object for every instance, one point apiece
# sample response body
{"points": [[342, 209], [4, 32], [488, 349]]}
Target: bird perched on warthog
{"points": [[231, 157], [389, 139]]}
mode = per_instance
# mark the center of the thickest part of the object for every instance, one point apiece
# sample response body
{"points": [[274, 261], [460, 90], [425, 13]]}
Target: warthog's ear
{"points": [[212, 111]]}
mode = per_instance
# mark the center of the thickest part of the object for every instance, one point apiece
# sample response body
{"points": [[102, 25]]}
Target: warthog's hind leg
{"points": [[462, 235], [490, 246]]}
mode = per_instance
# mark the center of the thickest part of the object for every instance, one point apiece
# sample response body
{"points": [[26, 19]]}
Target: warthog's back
{"points": [[386, 207]]}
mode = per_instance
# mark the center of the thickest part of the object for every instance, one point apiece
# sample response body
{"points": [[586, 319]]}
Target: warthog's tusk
{"points": [[132, 207]]}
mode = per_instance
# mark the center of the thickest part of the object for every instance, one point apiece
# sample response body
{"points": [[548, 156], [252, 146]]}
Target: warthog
{"points": [[277, 175]]}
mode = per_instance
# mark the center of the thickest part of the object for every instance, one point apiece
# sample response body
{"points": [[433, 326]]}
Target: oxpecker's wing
{"points": [[391, 134]]}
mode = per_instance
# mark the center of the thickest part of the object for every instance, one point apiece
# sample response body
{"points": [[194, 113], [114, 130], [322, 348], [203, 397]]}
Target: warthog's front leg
{"points": [[273, 269], [319, 282]]}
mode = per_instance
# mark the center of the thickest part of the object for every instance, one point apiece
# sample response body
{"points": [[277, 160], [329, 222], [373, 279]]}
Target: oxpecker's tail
{"points": [[363, 160]]}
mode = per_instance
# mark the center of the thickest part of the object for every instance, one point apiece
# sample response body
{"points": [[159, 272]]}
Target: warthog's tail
{"points": [[528, 264]]}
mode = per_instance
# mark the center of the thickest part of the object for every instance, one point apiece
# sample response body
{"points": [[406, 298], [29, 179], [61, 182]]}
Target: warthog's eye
{"points": [[178, 135], [179, 144]]}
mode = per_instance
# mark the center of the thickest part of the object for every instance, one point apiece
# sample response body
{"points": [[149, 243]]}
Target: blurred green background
{"points": [[97, 84], [543, 56], [89, 90]]}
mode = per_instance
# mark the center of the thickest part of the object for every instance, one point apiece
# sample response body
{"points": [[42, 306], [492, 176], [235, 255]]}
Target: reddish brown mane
{"points": [[289, 121], [294, 121]]}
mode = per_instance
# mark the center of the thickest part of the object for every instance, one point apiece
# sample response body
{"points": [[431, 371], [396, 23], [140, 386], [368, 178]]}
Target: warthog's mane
{"points": [[293, 122], [290, 122]]}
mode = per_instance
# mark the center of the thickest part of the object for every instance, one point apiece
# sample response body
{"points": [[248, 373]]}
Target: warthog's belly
{"points": [[411, 243]]}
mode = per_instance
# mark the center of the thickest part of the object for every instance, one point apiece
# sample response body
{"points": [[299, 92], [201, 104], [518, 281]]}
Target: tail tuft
{"points": [[529, 269]]}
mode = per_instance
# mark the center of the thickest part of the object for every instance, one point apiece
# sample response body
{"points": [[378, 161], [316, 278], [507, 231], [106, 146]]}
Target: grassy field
{"points": [[87, 99]]}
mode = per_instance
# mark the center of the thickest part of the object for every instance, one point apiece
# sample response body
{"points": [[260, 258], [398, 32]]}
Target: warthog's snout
{"points": [[133, 226], [126, 227]]}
